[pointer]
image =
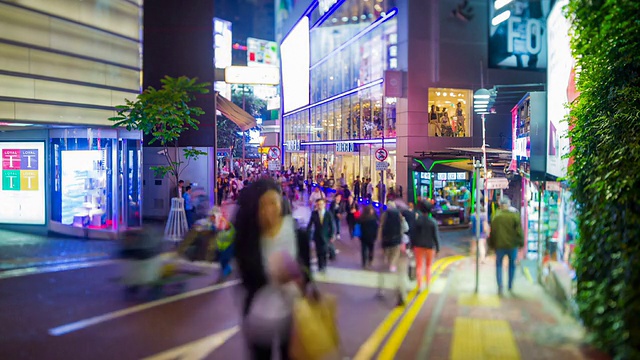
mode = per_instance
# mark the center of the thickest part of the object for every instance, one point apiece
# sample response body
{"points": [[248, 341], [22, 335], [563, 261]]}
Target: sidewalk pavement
{"points": [[21, 250], [526, 324]]}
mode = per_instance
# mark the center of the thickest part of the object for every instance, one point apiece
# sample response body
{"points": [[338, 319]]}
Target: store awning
{"points": [[234, 113]]}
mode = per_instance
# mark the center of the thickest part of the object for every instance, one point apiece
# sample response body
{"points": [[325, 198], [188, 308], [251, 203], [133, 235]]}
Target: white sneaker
{"points": [[392, 269]]}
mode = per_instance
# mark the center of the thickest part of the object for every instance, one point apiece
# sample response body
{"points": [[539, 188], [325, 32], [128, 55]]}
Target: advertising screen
{"points": [[22, 186], [560, 81], [261, 52], [222, 43], [294, 58], [517, 34]]}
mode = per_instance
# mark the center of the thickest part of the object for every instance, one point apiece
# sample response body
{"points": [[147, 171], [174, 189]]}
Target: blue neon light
{"points": [[307, 107], [371, 27], [326, 15]]}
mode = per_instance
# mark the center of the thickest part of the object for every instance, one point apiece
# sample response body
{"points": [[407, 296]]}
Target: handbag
{"points": [[315, 333], [269, 316], [357, 231]]}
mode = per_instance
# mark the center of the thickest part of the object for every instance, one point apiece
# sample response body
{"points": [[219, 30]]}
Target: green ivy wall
{"points": [[605, 175]]}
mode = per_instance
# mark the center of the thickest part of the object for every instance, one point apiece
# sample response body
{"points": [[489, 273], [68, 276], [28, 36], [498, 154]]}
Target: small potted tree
{"points": [[163, 115]]}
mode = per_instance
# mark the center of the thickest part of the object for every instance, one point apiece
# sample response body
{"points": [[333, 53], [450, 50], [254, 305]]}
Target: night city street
{"points": [[319, 179]]}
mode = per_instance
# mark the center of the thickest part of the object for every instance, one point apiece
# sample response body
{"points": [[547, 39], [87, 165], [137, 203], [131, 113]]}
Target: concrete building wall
{"points": [[68, 62], [178, 41], [438, 50]]}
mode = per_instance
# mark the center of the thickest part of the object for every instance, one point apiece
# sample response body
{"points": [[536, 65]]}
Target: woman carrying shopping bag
{"points": [[270, 254]]}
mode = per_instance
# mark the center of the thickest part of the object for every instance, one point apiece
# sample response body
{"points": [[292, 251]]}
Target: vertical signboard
{"points": [[538, 135], [560, 80], [517, 34], [222, 43], [22, 183]]}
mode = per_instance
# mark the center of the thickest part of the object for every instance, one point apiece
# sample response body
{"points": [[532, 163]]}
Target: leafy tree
{"points": [[165, 114], [605, 176]]}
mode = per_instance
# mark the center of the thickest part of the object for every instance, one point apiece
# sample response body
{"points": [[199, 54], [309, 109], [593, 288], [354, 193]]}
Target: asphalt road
{"points": [[83, 314]]}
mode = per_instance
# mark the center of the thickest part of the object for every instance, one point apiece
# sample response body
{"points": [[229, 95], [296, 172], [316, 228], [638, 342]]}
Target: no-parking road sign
{"points": [[381, 154], [274, 153]]}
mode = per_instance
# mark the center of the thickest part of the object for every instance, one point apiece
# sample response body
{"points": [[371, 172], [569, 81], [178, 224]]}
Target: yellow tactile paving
{"points": [[482, 339], [492, 301]]}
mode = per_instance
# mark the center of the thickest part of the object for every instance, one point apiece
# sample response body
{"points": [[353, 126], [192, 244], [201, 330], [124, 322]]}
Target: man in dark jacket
{"points": [[506, 237], [425, 241], [322, 230], [392, 226], [356, 188]]}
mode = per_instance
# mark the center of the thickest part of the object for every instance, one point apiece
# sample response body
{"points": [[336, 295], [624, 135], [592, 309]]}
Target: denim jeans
{"points": [[225, 258], [511, 254]]}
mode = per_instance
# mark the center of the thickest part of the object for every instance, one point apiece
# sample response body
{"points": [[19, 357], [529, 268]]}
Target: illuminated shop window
{"points": [[82, 185], [450, 112]]}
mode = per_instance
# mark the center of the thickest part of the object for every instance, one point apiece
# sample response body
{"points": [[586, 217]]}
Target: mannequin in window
{"points": [[433, 121], [446, 129], [460, 119]]}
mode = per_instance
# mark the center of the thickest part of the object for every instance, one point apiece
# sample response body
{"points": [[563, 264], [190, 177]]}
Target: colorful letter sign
{"points": [[22, 190]]}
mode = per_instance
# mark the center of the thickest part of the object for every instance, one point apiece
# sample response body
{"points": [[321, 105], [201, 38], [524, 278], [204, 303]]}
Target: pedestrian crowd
{"points": [[273, 250]]}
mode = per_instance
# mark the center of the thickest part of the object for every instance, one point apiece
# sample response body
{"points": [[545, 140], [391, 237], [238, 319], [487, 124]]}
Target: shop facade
{"points": [[66, 169], [83, 182], [390, 70]]}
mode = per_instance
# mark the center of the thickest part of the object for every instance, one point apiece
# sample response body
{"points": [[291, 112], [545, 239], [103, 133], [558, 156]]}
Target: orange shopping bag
{"points": [[315, 331]]}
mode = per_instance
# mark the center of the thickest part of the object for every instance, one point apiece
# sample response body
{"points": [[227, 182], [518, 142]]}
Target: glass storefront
{"points": [[450, 112], [362, 115], [351, 18], [352, 160], [350, 52], [96, 178]]}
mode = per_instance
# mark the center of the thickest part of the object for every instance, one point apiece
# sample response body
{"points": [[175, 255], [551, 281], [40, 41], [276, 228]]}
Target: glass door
{"points": [[129, 183]]}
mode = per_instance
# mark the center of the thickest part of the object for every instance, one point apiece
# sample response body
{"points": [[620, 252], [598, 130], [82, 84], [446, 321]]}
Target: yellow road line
{"points": [[392, 346], [369, 348]]}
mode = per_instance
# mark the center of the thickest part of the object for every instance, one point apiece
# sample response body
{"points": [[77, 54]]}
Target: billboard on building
{"points": [[262, 52], [517, 34], [222, 42], [561, 81], [295, 59]]}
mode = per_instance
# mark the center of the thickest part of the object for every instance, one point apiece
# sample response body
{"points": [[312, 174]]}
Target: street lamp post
{"points": [[482, 101]]}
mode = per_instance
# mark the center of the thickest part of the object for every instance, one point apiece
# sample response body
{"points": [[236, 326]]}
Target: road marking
{"points": [[392, 346], [199, 349], [352, 277], [82, 324], [483, 339], [54, 268], [368, 349], [527, 274]]}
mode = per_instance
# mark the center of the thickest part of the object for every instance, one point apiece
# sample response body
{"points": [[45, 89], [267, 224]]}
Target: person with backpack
{"points": [[425, 241], [366, 230], [392, 228]]}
